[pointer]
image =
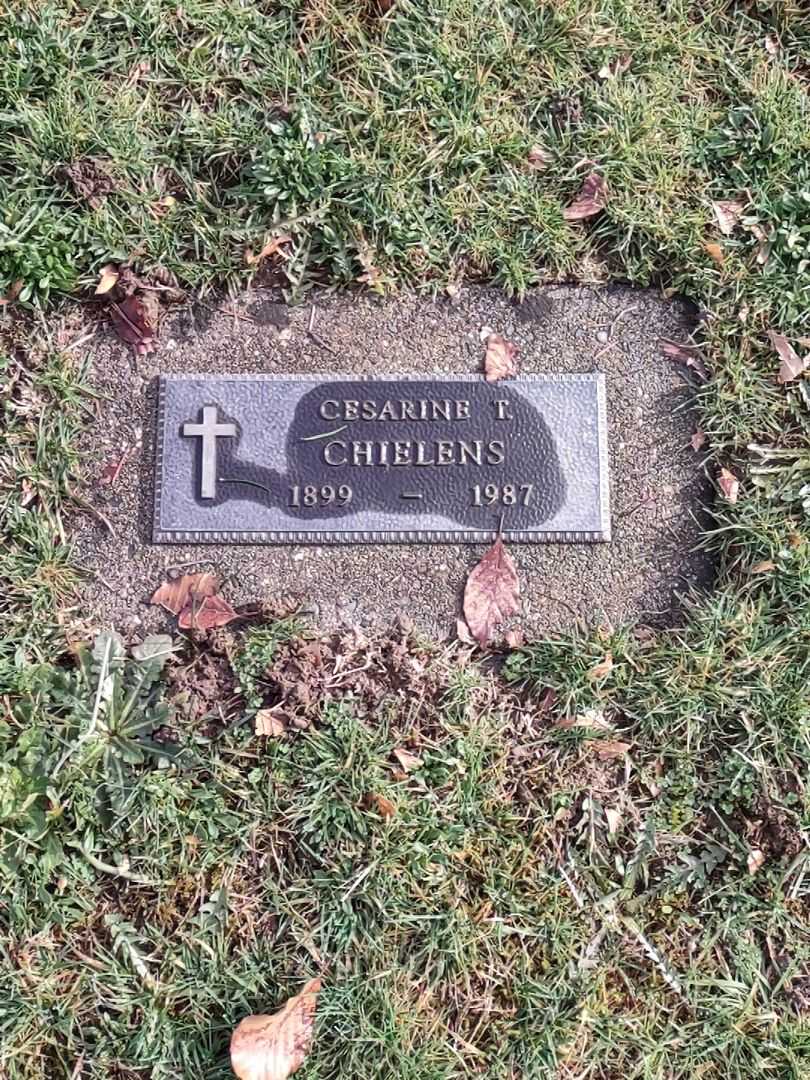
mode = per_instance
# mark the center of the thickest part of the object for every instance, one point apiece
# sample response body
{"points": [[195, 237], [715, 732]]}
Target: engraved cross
{"points": [[209, 431]]}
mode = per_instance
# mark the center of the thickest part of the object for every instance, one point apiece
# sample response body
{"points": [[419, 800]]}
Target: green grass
{"points": [[532, 909]]}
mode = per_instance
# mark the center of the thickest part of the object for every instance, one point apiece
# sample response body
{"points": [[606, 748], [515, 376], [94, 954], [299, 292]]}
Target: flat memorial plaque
{"points": [[264, 459]]}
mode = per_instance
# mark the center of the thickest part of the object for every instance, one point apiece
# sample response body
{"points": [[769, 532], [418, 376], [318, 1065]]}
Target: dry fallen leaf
{"points": [[684, 354], [698, 439], [177, 594], [608, 748], [12, 292], [136, 320], [515, 638], [270, 723], [763, 238], [407, 760], [603, 668], [792, 365], [613, 818], [500, 360], [591, 199], [715, 252], [210, 612], [763, 567], [274, 1047], [271, 246], [729, 485], [756, 857], [491, 593], [106, 279], [384, 807], [463, 633], [771, 44], [617, 66], [594, 719], [539, 158], [728, 213]]}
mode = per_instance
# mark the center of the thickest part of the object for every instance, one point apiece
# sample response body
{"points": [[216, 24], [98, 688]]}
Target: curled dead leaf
{"points": [[407, 760], [603, 668], [539, 158], [592, 198], [270, 723], [384, 807], [792, 365], [756, 858], [270, 247], [728, 213], [106, 279], [491, 593], [729, 485], [698, 439], [687, 354], [764, 567], [714, 251], [608, 748], [209, 613], [500, 360], [136, 320], [177, 594], [275, 1046], [594, 719]]}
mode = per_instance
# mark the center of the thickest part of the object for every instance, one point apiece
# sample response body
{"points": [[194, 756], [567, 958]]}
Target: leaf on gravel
{"points": [[715, 252], [271, 246], [209, 613], [603, 668], [792, 365], [407, 760], [384, 807], [500, 361], [728, 213], [729, 485], [491, 593], [274, 1047], [136, 321], [177, 594], [608, 748], [698, 439], [539, 158], [591, 199], [270, 723], [106, 279], [615, 67], [684, 354], [756, 858]]}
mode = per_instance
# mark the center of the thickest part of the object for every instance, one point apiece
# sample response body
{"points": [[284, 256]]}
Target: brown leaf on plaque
{"points": [[603, 668], [500, 361], [274, 1047], [792, 365], [491, 593], [270, 723], [209, 613], [407, 760], [729, 485], [136, 320], [177, 594], [591, 199], [271, 246], [728, 213]]}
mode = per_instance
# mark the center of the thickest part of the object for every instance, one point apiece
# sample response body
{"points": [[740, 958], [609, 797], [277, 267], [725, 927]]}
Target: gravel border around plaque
{"points": [[658, 486]]}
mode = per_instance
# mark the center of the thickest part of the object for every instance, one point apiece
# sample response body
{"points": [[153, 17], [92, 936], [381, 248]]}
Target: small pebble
{"points": [[602, 336]]}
